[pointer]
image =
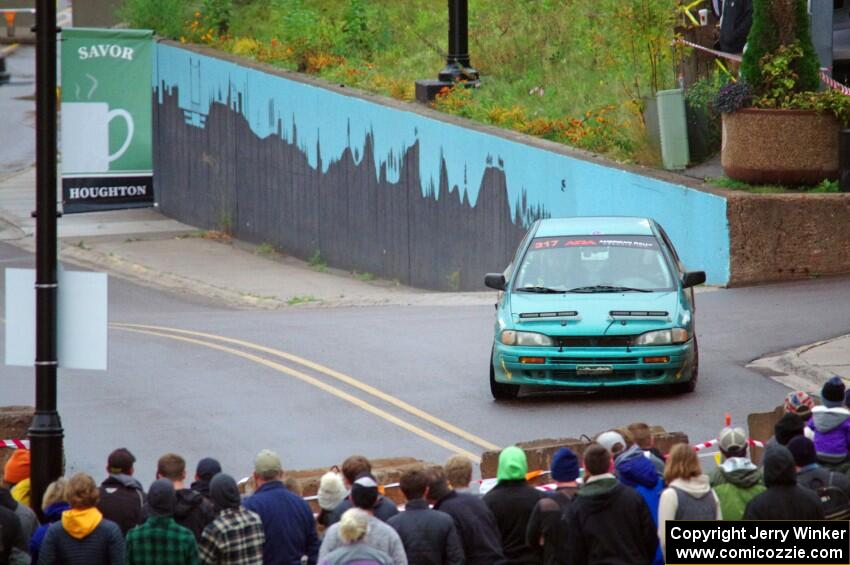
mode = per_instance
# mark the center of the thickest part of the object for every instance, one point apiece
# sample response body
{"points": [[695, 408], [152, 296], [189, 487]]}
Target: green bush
{"points": [[218, 13], [780, 23], [165, 17]]}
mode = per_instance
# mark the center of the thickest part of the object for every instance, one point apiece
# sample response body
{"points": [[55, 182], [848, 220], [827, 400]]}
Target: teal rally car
{"points": [[594, 302]]}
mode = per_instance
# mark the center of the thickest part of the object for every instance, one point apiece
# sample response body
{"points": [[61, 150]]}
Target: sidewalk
{"points": [[807, 368], [145, 247]]}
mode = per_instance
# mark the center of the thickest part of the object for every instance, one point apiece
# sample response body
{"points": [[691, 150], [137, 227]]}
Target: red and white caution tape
{"points": [[15, 443], [713, 442], [824, 76]]}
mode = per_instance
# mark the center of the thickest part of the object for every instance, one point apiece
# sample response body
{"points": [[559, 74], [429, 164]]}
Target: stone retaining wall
{"points": [[778, 237]]}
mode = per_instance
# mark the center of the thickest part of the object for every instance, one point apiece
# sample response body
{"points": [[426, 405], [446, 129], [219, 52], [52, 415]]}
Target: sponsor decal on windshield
{"points": [[634, 242]]}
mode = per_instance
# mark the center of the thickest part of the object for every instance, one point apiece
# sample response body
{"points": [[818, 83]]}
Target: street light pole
{"points": [[458, 67], [457, 61], [46, 432]]}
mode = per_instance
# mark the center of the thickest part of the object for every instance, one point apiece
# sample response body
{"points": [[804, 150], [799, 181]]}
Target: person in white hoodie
{"points": [[688, 495]]}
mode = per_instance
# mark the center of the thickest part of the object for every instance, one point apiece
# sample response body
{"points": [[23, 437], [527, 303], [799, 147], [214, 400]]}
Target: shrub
{"points": [[218, 14], [776, 24], [733, 97], [165, 17]]}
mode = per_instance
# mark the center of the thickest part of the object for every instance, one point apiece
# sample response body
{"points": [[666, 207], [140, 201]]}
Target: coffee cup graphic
{"points": [[85, 136]]}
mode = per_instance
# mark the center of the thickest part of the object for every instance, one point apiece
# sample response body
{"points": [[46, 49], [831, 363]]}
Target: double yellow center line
{"points": [[213, 341]]}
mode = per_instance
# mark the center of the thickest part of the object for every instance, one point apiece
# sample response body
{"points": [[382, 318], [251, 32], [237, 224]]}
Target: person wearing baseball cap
{"points": [[737, 480], [288, 523], [831, 424], [122, 497]]}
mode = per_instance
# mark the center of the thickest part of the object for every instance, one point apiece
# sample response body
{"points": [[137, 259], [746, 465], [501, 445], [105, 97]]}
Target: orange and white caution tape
{"points": [[711, 443]]}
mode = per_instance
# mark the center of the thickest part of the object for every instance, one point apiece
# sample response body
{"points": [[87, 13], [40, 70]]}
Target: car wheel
{"points": [[501, 391], [690, 385]]}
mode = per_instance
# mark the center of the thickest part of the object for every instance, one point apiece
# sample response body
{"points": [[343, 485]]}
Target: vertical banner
{"points": [[106, 118]]}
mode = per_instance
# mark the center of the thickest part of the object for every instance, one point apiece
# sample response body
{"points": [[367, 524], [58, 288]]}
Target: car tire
{"points": [[501, 391], [690, 385]]}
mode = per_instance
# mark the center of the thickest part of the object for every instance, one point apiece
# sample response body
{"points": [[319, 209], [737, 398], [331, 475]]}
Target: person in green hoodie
{"points": [[737, 480], [512, 501]]}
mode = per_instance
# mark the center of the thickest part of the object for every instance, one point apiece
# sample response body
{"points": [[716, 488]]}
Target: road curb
{"points": [[792, 370], [141, 274]]}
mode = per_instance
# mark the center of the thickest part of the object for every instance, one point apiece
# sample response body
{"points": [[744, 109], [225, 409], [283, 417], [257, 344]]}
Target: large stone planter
{"points": [[789, 147]]}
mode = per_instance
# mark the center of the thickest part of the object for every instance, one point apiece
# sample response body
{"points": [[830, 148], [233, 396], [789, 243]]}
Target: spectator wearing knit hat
{"points": [[784, 499], [17, 469], [737, 480], [789, 426], [546, 527], [121, 495], [236, 535], [16, 475], [331, 493], [809, 473], [288, 522], [799, 403], [207, 469], [512, 500], [364, 495], [161, 540], [831, 424], [83, 536]]}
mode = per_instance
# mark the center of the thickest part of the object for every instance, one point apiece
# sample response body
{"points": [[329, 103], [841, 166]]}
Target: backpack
{"points": [[836, 504]]}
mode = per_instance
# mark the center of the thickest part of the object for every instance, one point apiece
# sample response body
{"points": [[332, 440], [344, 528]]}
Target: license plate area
{"points": [[594, 370]]}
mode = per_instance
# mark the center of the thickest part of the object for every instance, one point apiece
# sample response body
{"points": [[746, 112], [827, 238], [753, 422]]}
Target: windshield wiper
{"points": [[540, 290], [607, 288]]}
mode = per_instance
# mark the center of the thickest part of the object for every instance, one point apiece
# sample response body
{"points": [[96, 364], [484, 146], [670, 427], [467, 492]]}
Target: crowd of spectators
{"points": [[609, 504]]}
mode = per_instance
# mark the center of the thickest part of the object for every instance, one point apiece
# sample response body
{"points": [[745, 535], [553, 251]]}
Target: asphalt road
{"points": [[205, 396]]}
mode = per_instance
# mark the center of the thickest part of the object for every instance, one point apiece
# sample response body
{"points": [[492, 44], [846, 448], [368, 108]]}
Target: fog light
{"points": [[532, 360], [656, 359]]}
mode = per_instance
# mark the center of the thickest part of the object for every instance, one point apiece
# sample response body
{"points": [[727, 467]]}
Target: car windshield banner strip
{"points": [[627, 241], [106, 118]]}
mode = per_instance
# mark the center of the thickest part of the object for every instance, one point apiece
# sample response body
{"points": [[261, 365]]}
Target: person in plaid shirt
{"points": [[236, 536], [161, 540]]}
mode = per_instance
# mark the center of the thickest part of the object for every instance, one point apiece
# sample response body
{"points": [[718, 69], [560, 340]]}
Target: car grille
{"points": [[594, 360], [619, 375], [594, 341]]}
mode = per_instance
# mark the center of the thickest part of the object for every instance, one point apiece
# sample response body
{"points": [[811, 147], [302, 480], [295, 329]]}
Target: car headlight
{"points": [[664, 337], [513, 337]]}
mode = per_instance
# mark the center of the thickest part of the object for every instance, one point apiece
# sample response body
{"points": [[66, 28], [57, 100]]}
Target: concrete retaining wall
{"points": [[380, 186], [777, 237]]}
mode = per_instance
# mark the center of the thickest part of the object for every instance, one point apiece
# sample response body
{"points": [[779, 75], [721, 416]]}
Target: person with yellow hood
{"points": [[16, 474], [83, 536], [512, 501]]}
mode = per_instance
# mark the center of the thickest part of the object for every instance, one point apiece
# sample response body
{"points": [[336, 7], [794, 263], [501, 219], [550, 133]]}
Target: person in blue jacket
{"points": [[634, 469], [288, 522]]}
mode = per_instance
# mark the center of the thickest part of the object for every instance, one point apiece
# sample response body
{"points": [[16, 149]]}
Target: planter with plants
{"points": [[778, 127]]}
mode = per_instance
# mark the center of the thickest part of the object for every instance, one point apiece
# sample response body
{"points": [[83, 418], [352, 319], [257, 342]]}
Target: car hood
{"points": [[593, 312]]}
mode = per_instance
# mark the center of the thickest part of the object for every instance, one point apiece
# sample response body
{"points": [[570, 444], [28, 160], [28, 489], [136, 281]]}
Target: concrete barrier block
{"points": [[539, 452]]}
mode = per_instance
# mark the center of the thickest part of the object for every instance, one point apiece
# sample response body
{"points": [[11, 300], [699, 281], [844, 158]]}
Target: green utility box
{"points": [[674, 128]]}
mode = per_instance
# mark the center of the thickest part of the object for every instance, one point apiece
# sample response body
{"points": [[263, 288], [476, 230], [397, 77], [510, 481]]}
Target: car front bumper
{"points": [[594, 367]]}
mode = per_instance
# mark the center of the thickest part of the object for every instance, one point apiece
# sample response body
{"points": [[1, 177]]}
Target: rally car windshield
{"points": [[594, 264]]}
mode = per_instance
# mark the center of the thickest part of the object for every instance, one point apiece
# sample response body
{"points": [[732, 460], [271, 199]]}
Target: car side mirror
{"points": [[693, 278], [495, 281]]}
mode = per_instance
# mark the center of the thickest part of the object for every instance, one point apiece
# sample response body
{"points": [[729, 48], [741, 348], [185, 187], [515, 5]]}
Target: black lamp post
{"points": [[46, 431], [458, 67]]}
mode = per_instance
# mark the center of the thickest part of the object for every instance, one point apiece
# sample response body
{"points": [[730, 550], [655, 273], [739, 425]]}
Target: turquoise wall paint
{"points": [[327, 123]]}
